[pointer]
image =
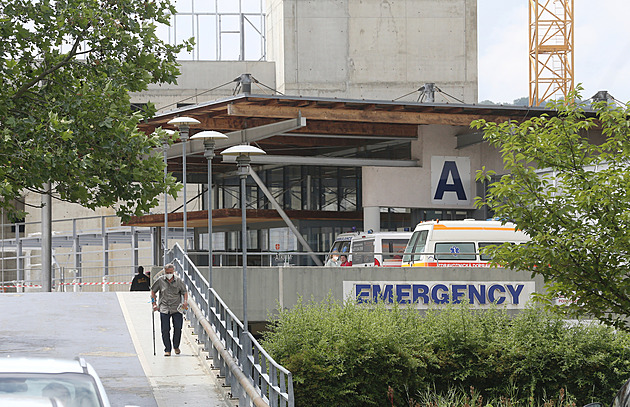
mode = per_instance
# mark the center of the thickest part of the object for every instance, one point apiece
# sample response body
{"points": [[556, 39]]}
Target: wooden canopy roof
{"points": [[332, 125]]}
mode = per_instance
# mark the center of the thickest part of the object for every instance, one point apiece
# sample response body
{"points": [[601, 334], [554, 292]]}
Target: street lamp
{"points": [[184, 124], [243, 153], [165, 147], [209, 142]]}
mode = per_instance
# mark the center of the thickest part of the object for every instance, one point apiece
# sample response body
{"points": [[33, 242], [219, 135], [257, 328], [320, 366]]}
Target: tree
{"points": [[67, 68], [577, 212]]}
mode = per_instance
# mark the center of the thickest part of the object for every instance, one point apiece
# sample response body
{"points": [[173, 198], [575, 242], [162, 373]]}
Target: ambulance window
{"points": [[416, 245], [393, 248], [486, 256], [344, 247], [363, 251], [340, 246], [455, 251]]}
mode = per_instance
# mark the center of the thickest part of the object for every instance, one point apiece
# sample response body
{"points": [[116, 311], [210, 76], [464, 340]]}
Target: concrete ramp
{"points": [[113, 332]]}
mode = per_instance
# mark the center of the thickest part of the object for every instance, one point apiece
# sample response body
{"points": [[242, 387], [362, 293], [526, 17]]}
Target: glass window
{"points": [[229, 197], [251, 6], [253, 26], [229, 52], [416, 245], [363, 251], [204, 6], [206, 41], [70, 388], [228, 6], [393, 248], [183, 6], [483, 256], [202, 20], [455, 251], [282, 239], [218, 241]]}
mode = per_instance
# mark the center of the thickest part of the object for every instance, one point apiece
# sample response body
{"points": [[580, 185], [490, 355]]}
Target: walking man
{"points": [[171, 290]]}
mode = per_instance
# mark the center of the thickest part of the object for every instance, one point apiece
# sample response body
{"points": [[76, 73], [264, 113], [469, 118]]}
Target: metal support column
{"points": [[105, 247], [18, 255], [76, 249], [284, 216], [47, 238], [134, 249], [155, 245]]}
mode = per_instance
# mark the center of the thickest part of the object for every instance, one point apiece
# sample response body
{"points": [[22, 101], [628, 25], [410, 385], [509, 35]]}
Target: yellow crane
{"points": [[550, 49]]}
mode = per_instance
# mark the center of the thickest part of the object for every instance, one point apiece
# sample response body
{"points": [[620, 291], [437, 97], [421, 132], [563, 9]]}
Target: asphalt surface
{"points": [[114, 333]]}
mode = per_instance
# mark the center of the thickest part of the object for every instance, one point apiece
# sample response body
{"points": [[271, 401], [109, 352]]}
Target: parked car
{"points": [[50, 382], [622, 399]]}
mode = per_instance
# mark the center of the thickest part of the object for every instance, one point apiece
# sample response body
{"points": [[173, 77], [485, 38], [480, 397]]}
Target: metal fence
{"points": [[90, 253], [91, 279], [254, 377]]}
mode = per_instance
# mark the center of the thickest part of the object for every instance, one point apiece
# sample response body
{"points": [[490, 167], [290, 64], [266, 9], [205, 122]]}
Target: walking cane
{"points": [[153, 320]]}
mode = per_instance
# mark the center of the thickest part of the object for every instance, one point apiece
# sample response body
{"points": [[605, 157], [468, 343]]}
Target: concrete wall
{"points": [[414, 187], [270, 287], [369, 49], [373, 49]]}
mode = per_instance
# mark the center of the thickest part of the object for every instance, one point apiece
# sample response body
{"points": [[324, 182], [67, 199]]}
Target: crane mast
{"points": [[550, 49]]}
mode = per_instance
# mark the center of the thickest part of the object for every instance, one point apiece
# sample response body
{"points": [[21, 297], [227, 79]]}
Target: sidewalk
{"points": [[177, 380]]}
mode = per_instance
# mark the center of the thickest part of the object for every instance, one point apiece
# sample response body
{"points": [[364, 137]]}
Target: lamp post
{"points": [[184, 124], [209, 142], [243, 153], [165, 146]]}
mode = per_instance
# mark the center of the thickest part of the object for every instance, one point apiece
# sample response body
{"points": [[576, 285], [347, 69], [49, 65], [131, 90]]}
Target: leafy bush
{"points": [[346, 354]]}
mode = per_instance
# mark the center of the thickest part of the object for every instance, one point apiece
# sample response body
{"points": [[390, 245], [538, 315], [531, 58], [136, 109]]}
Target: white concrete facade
{"points": [[356, 49], [413, 187], [373, 49]]}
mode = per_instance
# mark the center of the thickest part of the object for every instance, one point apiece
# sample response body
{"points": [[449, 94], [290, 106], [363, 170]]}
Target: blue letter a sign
{"points": [[450, 180]]}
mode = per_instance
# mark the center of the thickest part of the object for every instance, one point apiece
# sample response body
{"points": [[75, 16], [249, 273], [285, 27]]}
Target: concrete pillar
{"points": [[372, 218]]}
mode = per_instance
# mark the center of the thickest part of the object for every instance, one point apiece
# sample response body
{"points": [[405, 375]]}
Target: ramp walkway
{"points": [[114, 333]]}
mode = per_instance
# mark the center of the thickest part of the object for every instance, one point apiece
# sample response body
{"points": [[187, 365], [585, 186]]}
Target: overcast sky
{"points": [[602, 48]]}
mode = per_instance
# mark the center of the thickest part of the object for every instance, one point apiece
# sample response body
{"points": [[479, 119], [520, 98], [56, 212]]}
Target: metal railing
{"points": [[254, 377]]}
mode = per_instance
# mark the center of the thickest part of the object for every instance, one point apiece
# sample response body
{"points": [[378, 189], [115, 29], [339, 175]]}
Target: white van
{"points": [[371, 248], [457, 243], [378, 249], [342, 243]]}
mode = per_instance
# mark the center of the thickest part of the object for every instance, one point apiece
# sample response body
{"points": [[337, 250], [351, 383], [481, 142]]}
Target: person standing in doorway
{"points": [[171, 290], [141, 282]]}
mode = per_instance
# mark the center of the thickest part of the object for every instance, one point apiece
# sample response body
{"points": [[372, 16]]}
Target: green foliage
{"points": [[67, 67], [350, 355], [346, 354], [577, 214]]}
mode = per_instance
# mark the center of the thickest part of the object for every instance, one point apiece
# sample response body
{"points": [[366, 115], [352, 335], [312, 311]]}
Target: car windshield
{"points": [[71, 389]]}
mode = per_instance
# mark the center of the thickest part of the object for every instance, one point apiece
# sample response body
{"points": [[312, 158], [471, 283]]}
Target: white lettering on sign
{"points": [[451, 180]]}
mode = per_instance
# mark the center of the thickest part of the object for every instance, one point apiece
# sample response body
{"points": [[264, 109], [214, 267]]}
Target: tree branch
{"points": [[71, 54]]}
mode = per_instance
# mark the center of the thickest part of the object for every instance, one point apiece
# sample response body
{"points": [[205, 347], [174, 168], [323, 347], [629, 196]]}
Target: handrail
{"points": [[254, 376]]}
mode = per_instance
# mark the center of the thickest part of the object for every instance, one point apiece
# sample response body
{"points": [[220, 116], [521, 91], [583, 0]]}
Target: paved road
{"points": [[113, 332]]}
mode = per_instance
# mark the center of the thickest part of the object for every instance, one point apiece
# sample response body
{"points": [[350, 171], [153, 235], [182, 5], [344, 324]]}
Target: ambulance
{"points": [[380, 249], [457, 243], [365, 249]]}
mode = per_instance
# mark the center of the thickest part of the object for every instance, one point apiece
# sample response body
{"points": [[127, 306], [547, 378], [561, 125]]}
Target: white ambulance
{"points": [[371, 248], [457, 243], [378, 249]]}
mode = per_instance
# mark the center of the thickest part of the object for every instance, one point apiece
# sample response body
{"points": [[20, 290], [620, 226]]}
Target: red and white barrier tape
{"points": [[39, 286]]}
